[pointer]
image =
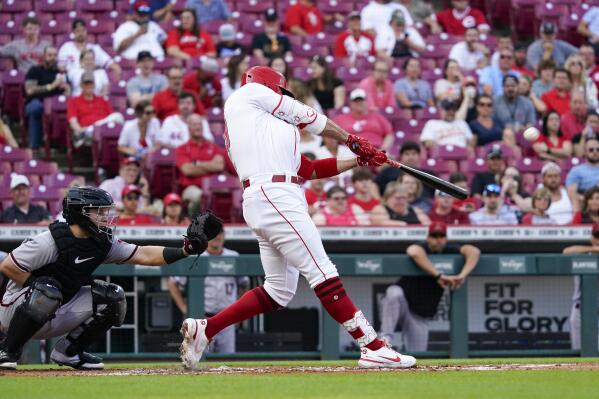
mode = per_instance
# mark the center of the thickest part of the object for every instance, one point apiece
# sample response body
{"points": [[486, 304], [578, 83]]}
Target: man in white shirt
{"points": [[377, 15], [174, 130], [470, 53], [139, 34], [70, 52], [447, 130], [494, 211]]}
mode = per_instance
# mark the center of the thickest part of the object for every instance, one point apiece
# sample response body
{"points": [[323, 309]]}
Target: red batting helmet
{"points": [[268, 77]]}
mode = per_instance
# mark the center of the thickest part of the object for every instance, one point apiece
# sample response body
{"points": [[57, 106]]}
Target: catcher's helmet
{"points": [[268, 77], [90, 208]]}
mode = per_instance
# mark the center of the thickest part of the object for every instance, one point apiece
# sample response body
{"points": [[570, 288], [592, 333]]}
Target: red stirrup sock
{"points": [[341, 308], [250, 304]]}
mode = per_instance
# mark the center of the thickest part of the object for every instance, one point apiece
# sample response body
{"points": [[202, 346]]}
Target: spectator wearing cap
{"points": [[450, 86], [337, 211], [590, 130], [573, 121], [547, 47], [587, 53], [470, 54], [354, 42], [366, 196], [304, 18], [512, 110], [139, 136], [327, 88], [396, 210], [42, 81], [188, 41], [87, 63], [365, 123], [204, 83], [228, 45], [146, 83], [174, 130], [172, 213], [589, 26], [491, 78], [378, 88], [139, 34], [540, 203], [87, 111], [22, 211], [443, 211], [414, 300], [270, 43], [165, 102], [584, 176], [461, 16], [487, 128], [580, 81], [130, 214], [558, 98], [495, 169], [589, 208], [412, 91], [209, 10], [448, 130], [130, 172], [196, 160], [494, 211], [398, 40], [544, 83], [69, 53], [28, 51], [236, 67], [520, 61]]}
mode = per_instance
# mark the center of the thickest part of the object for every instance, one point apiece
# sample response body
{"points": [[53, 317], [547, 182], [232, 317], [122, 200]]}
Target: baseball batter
{"points": [[263, 130], [51, 291]]}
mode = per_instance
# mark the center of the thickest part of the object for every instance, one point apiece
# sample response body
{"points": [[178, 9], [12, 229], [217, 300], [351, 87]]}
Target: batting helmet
{"points": [[268, 77], [91, 209]]}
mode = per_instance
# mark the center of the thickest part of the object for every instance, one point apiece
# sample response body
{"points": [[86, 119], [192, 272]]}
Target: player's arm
{"points": [[471, 256], [10, 270], [418, 256], [581, 249], [323, 168], [152, 255]]}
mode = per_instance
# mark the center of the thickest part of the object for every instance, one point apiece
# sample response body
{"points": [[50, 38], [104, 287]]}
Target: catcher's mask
{"points": [[92, 209]]}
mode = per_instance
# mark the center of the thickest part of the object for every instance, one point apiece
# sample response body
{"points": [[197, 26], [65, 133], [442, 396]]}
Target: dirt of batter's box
{"points": [[212, 370]]}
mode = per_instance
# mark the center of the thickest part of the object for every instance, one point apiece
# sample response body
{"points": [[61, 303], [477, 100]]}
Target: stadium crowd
{"points": [[141, 86]]}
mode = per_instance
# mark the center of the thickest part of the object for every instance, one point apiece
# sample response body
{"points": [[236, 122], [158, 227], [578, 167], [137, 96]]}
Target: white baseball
{"points": [[531, 134]]}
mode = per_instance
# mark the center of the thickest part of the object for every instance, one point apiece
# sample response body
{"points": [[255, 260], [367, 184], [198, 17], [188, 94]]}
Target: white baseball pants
{"points": [[414, 329]]}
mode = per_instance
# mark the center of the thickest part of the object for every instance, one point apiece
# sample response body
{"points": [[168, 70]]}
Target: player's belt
{"points": [[275, 179]]}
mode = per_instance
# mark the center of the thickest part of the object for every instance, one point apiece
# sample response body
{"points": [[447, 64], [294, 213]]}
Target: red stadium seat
{"points": [[215, 114], [307, 50], [222, 195], [62, 180], [473, 166], [16, 6], [351, 74], [54, 27], [529, 165], [450, 153], [251, 26], [101, 27], [321, 39], [12, 155], [56, 125], [254, 6], [13, 96], [35, 167], [52, 6], [162, 172], [335, 6], [95, 6], [105, 148]]}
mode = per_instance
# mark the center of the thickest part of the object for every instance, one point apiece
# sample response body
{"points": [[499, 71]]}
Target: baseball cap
{"points": [[271, 15], [172, 197], [129, 160], [130, 188], [354, 14], [142, 7], [17, 180], [492, 189], [495, 152], [437, 228], [550, 166], [87, 77], [357, 94], [398, 18], [227, 32], [449, 104], [142, 55], [548, 28]]}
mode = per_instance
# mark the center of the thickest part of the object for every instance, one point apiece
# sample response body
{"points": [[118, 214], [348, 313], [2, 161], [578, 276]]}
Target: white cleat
{"points": [[194, 342], [385, 357]]}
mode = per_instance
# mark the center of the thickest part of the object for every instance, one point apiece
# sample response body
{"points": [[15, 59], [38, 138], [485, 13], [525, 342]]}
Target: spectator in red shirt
{"points": [[304, 18], [520, 61], [461, 16], [86, 111], [354, 42], [366, 196], [196, 159], [205, 84], [337, 211], [165, 102], [444, 211], [188, 41], [173, 214], [558, 98], [379, 89], [362, 122], [129, 215], [573, 121], [551, 144]]}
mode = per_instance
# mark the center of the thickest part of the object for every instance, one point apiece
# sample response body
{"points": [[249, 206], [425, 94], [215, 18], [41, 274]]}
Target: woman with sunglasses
{"points": [[551, 144], [488, 129], [589, 212], [138, 136], [580, 80], [337, 211]]}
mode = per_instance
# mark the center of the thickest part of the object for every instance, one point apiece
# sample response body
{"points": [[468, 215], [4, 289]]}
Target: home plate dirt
{"points": [[213, 370]]}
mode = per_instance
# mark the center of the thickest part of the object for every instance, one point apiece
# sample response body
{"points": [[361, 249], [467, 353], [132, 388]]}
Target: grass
{"points": [[562, 383]]}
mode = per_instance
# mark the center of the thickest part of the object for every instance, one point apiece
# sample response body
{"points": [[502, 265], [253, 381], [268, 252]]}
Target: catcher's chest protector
{"points": [[77, 259]]}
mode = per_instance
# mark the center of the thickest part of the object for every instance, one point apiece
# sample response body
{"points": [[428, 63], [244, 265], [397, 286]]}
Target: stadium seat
{"points": [[101, 27], [439, 167], [321, 39], [472, 166], [16, 6], [351, 74], [95, 6], [254, 6], [335, 6], [105, 149], [52, 6], [215, 114], [529, 165], [62, 180], [450, 153], [162, 172], [12, 155], [13, 97], [55, 123], [307, 50], [54, 27], [252, 26], [35, 167], [222, 195]]}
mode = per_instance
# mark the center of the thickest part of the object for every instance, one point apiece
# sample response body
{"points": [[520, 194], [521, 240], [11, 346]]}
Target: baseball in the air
{"points": [[531, 134]]}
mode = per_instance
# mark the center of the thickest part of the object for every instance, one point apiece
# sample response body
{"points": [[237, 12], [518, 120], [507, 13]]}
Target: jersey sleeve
{"points": [[288, 109], [120, 252], [35, 252]]}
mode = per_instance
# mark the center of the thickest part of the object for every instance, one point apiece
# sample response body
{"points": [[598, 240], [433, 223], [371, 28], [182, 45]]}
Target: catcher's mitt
{"points": [[203, 228]]}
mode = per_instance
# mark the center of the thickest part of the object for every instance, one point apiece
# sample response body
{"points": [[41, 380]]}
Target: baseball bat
{"points": [[430, 180]]}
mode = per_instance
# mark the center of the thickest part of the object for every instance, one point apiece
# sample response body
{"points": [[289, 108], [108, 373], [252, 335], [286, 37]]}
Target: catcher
{"points": [[51, 291]]}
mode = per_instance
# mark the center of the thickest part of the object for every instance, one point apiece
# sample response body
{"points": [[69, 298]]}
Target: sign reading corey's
{"points": [[369, 265]]}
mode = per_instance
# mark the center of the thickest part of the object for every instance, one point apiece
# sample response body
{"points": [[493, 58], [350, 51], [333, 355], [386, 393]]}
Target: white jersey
{"points": [[262, 135], [150, 41], [174, 132], [69, 53]]}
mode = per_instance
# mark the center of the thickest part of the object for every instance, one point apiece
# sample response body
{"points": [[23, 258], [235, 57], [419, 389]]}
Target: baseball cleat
{"points": [[385, 357], [81, 361], [194, 342], [8, 361]]}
